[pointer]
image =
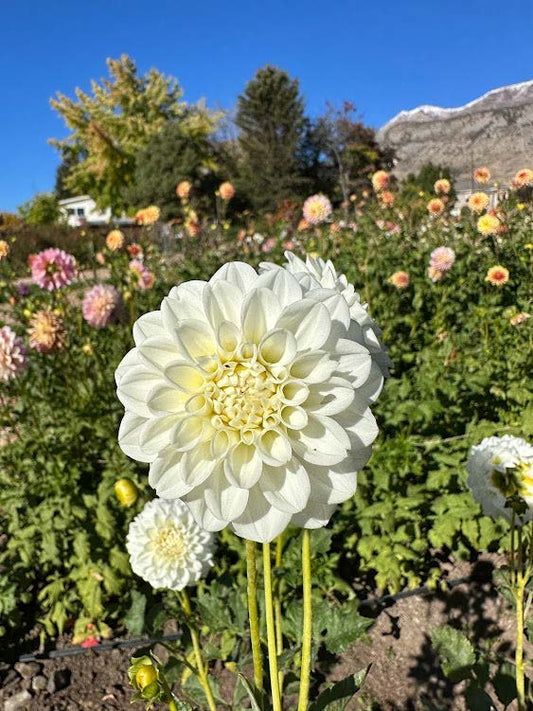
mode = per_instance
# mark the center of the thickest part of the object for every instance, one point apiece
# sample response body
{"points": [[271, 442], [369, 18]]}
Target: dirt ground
{"points": [[404, 676]]}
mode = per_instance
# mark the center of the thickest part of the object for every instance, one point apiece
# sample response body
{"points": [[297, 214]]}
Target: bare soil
{"points": [[405, 674]]}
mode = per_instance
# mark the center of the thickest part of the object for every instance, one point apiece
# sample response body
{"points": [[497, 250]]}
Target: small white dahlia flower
{"points": [[248, 396], [167, 547], [13, 354], [499, 468]]}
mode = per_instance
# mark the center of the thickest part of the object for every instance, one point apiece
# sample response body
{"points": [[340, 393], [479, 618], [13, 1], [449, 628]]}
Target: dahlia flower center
{"points": [[242, 396], [169, 543]]}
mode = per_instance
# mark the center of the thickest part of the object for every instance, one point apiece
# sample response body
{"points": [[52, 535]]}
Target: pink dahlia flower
{"points": [[141, 276], [442, 259], [52, 268], [316, 209], [101, 305], [12, 354]]}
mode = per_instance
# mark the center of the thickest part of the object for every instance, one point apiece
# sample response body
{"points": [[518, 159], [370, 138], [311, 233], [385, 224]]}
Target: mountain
{"points": [[495, 130]]}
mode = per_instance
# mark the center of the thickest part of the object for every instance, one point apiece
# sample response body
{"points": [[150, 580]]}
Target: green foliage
{"points": [[343, 152], [270, 118], [113, 124], [168, 158], [42, 209], [425, 180]]}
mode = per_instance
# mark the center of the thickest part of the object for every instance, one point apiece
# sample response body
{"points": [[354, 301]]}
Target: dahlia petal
{"points": [[186, 377], [135, 388], [283, 284], [226, 502], [309, 321], [277, 347], [196, 339], [148, 325], [165, 476], [360, 425], [260, 521], [294, 418], [286, 488], [158, 352], [335, 304], [314, 367], [243, 467], [164, 399], [174, 311], [314, 515], [228, 336], [322, 442], [189, 291], [222, 301], [188, 433], [128, 437], [242, 275], [259, 314], [355, 361], [294, 392], [275, 448], [157, 434], [332, 485], [331, 397], [130, 359], [202, 515]]}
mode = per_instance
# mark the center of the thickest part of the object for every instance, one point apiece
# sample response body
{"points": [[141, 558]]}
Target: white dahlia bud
{"points": [[248, 395], [167, 547], [500, 468]]}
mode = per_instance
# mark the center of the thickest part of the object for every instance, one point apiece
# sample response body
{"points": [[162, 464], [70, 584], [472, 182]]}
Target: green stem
{"points": [[255, 634], [202, 674], [519, 655], [305, 674], [271, 633], [277, 605]]}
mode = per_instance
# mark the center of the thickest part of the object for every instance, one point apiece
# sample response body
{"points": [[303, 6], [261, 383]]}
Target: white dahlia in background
{"points": [[499, 468], [248, 396], [167, 547], [315, 273]]}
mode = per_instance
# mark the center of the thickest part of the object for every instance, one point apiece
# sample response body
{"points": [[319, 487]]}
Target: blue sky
{"points": [[383, 56]]}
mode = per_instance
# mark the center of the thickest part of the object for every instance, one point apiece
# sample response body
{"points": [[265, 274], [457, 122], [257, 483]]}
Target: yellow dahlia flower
{"points": [[114, 240], [380, 180], [482, 175], [435, 207], [498, 275], [442, 186], [47, 331], [478, 202], [488, 225], [184, 189]]}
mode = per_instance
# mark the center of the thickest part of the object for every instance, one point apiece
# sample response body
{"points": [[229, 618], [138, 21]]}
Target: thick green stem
{"points": [[519, 655], [307, 634], [271, 631], [251, 572], [202, 673]]}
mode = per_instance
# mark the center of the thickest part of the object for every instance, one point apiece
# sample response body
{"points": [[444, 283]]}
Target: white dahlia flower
{"points": [[315, 273], [499, 468], [167, 547], [248, 397]]}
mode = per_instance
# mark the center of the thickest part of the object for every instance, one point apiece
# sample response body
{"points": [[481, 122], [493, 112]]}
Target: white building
{"points": [[82, 210]]}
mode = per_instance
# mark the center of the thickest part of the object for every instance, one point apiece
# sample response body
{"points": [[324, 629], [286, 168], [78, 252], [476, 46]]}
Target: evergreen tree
{"points": [[170, 157], [271, 122]]}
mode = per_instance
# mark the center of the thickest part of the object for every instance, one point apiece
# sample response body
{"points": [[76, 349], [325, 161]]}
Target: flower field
{"points": [[221, 363]]}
